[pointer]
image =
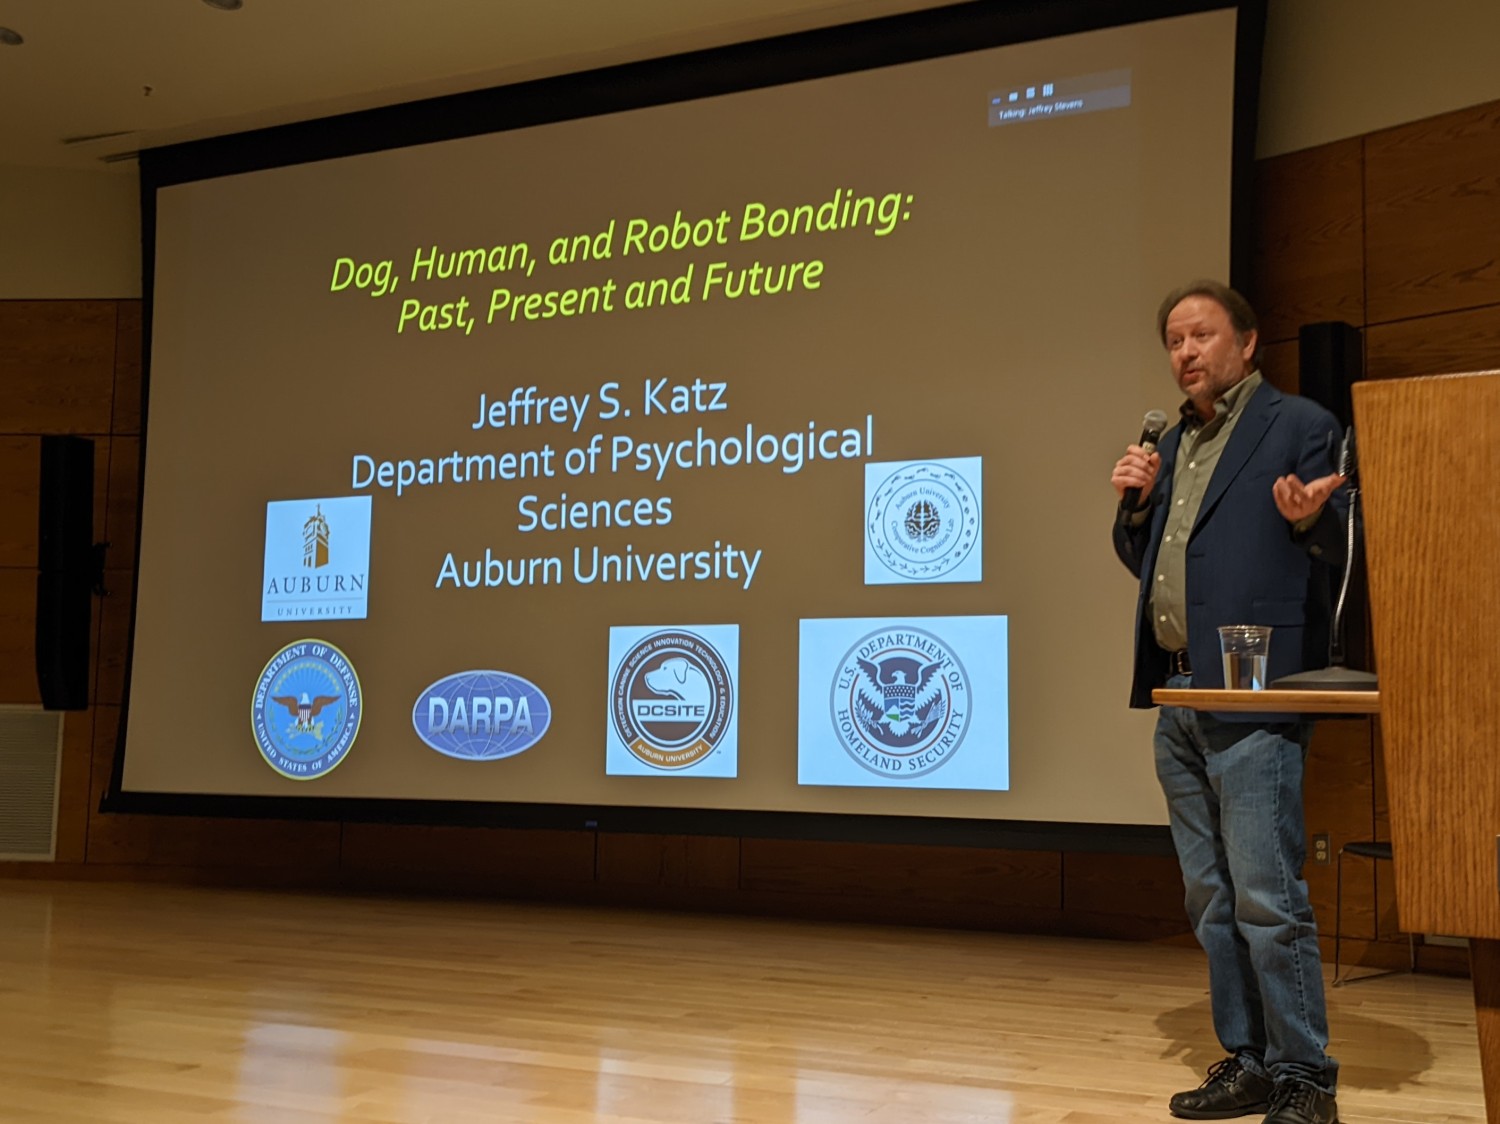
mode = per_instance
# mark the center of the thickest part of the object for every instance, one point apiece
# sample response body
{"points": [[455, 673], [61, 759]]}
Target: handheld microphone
{"points": [[1151, 430]]}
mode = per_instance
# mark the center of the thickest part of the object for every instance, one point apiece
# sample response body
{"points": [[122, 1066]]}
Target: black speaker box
{"points": [[1330, 359], [65, 572]]}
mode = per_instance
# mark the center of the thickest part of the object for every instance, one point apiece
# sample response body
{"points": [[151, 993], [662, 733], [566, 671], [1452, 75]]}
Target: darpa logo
{"points": [[481, 715]]}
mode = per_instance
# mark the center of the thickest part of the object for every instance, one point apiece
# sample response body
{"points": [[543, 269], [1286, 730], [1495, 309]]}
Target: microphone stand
{"points": [[1336, 676]]}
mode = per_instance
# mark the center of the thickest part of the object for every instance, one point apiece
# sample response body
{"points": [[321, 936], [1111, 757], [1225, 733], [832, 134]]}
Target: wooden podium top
{"points": [[1284, 702]]}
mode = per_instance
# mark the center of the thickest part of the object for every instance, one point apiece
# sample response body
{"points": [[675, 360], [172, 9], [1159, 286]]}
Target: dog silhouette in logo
{"points": [[676, 678]]}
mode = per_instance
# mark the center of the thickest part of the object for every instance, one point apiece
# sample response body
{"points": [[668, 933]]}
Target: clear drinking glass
{"points": [[1246, 648]]}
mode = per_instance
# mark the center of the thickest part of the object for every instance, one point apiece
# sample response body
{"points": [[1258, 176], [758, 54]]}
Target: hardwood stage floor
{"points": [[143, 1004]]}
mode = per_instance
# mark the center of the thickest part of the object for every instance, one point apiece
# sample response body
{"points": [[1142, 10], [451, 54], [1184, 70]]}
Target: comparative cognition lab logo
{"points": [[306, 709], [672, 701], [923, 521]]}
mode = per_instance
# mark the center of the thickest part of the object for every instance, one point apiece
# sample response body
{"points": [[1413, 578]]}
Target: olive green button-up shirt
{"points": [[1197, 455]]}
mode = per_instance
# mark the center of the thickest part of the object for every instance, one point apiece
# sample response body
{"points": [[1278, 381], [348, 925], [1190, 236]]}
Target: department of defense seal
{"points": [[306, 709], [671, 699], [901, 702], [923, 521]]}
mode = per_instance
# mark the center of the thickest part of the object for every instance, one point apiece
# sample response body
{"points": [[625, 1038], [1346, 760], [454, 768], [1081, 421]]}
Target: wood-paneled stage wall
{"points": [[1397, 232]]}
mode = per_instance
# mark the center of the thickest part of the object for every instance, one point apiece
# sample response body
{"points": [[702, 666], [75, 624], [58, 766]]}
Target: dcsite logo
{"points": [[672, 696]]}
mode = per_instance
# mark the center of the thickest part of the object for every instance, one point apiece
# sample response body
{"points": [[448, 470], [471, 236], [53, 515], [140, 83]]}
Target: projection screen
{"points": [[741, 453]]}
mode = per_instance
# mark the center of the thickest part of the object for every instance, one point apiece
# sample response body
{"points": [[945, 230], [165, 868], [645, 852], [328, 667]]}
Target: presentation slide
{"points": [[746, 453]]}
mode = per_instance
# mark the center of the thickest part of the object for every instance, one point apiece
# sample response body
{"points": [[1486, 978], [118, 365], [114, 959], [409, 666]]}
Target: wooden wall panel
{"points": [[686, 861], [1279, 365], [18, 638], [1309, 252], [1432, 192], [1434, 345], [102, 454], [129, 359], [57, 366], [476, 858], [1387, 911], [1339, 801], [967, 881], [122, 503], [1141, 886], [20, 481], [112, 638], [20, 495], [74, 786], [201, 844], [18, 681], [106, 728]]}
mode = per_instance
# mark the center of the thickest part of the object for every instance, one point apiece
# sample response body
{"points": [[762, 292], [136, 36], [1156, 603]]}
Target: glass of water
{"points": [[1246, 648]]}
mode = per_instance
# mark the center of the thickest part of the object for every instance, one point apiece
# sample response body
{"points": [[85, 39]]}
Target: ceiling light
{"points": [[226, 5], [10, 38]]}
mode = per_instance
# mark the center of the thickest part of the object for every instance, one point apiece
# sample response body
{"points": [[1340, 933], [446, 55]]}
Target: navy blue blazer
{"points": [[1244, 563]]}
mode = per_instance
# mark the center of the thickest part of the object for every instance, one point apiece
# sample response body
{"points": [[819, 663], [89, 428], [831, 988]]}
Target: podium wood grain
{"points": [[1430, 452], [1430, 458]]}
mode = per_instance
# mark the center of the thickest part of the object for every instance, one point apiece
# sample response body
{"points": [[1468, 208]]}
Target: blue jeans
{"points": [[1234, 793]]}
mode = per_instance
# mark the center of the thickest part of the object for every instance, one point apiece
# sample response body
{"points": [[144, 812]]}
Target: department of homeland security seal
{"points": [[306, 709], [923, 521], [671, 699], [901, 703]]}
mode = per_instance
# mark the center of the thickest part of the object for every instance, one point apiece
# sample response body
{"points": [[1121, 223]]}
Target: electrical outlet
{"points": [[1322, 852]]}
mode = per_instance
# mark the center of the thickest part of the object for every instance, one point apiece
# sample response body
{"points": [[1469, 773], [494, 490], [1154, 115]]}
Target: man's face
{"points": [[1207, 356]]}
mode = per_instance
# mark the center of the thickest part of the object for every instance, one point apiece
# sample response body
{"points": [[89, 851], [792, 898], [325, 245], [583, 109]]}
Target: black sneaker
{"points": [[1297, 1102], [1229, 1090]]}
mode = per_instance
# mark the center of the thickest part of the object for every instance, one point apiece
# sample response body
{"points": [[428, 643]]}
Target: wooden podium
{"points": [[1429, 465]]}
